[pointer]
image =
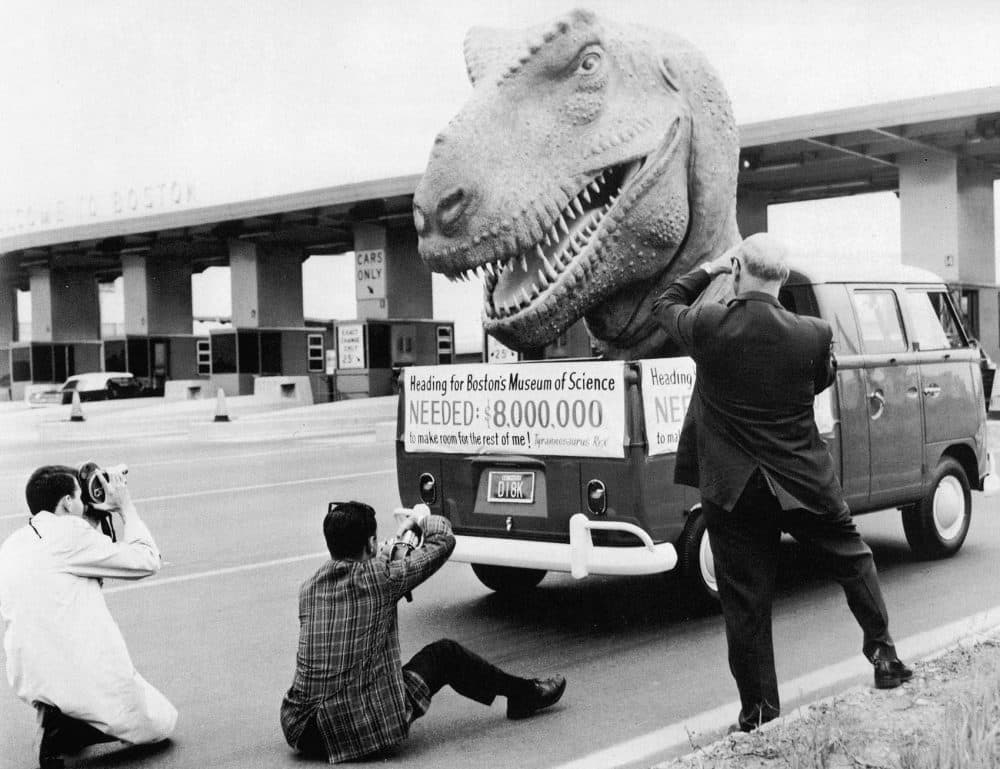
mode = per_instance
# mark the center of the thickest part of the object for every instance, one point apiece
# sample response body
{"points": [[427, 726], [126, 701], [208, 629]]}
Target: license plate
{"points": [[516, 487]]}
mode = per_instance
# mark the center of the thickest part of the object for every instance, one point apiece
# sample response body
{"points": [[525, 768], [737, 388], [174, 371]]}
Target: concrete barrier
{"points": [[187, 389], [293, 390]]}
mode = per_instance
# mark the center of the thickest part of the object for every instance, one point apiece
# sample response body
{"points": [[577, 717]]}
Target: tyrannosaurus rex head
{"points": [[593, 164]]}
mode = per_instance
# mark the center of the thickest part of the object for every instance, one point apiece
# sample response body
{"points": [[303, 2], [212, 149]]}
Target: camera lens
{"points": [[90, 486]]}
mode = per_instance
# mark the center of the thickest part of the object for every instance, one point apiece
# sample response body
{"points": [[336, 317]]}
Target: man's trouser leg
{"points": [[745, 543], [448, 662], [833, 540]]}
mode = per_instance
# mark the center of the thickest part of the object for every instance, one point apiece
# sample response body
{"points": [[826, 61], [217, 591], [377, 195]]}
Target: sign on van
{"points": [[564, 409], [667, 384]]}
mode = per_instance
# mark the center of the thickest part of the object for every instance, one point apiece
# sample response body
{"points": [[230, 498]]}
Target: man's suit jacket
{"points": [[759, 368]]}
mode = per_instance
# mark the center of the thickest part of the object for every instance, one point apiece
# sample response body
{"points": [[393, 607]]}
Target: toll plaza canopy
{"points": [[814, 156], [940, 154]]}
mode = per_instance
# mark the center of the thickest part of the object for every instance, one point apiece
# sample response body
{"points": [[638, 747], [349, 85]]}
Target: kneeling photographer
{"points": [[352, 696], [65, 654]]}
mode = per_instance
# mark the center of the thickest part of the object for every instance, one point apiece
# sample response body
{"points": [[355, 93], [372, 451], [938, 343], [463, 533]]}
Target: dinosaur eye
{"points": [[590, 63]]}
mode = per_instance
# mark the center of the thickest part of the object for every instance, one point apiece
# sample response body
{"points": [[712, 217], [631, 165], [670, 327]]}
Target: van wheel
{"points": [[697, 566], [506, 579], [936, 526]]}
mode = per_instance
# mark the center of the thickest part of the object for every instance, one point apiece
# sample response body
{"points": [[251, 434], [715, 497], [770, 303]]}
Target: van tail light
{"points": [[428, 488], [597, 497]]}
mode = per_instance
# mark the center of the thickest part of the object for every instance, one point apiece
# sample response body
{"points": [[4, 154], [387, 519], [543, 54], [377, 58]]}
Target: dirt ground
{"points": [[865, 728]]}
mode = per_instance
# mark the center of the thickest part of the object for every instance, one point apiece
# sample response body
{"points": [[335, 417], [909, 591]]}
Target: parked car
{"points": [[92, 386], [536, 478]]}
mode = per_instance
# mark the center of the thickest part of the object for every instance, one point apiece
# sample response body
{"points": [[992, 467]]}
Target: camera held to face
{"points": [[92, 492]]}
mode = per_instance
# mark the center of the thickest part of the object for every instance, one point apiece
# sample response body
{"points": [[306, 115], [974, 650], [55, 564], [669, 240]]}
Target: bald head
{"points": [[764, 257]]}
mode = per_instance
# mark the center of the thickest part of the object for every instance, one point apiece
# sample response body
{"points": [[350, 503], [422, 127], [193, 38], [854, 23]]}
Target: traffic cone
{"points": [[76, 410], [221, 413]]}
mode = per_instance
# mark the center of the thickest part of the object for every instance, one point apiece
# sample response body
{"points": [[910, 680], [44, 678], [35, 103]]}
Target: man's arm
{"points": [[422, 562], [91, 554], [673, 310]]}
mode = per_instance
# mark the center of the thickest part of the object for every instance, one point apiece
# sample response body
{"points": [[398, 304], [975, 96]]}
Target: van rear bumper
{"points": [[580, 557]]}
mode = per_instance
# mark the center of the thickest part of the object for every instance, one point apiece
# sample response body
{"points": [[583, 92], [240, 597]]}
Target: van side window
{"points": [[880, 321], [935, 324]]}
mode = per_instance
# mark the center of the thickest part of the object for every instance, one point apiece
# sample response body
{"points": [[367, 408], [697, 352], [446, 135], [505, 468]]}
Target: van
{"points": [[568, 465]]}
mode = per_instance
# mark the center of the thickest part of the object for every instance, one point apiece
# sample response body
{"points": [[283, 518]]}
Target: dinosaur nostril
{"points": [[451, 206]]}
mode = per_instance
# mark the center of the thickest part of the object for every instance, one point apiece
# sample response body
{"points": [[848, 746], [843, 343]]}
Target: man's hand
{"points": [[117, 497], [414, 521], [721, 264]]}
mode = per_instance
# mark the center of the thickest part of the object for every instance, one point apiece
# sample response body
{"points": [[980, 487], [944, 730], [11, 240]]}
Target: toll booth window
{"points": [[935, 324], [204, 357], [224, 354], [880, 321], [314, 351], [270, 353], [379, 346], [138, 357], [248, 354], [20, 364], [41, 364], [114, 356], [798, 299]]}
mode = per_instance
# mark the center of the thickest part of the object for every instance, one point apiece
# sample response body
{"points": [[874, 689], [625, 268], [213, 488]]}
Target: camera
{"points": [[89, 474], [91, 489]]}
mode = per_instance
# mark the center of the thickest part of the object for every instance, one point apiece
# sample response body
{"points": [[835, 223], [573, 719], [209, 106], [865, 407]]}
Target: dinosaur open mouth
{"points": [[562, 256]]}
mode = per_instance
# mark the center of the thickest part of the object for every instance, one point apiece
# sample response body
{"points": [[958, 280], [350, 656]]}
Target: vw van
{"points": [[568, 465]]}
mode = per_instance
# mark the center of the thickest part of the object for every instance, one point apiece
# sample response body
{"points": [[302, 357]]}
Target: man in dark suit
{"points": [[751, 446]]}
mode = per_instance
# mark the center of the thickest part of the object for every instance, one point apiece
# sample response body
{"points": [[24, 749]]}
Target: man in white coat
{"points": [[65, 653]]}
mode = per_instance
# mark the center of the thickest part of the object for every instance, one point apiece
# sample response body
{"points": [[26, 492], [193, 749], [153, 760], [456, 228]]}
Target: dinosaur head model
{"points": [[593, 164]]}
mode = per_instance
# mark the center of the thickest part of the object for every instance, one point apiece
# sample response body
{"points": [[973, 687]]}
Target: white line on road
{"points": [[801, 690], [214, 573], [238, 489]]}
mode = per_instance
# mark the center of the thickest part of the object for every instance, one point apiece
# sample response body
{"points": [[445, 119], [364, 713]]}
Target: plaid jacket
{"points": [[348, 671]]}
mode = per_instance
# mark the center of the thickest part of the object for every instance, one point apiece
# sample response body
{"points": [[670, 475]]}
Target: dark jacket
{"points": [[348, 672], [759, 368]]}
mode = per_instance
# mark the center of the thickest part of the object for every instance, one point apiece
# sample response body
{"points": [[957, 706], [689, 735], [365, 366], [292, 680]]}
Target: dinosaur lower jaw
{"points": [[562, 258]]}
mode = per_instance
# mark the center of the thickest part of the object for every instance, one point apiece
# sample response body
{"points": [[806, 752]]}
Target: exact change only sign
{"points": [[568, 409], [667, 384]]}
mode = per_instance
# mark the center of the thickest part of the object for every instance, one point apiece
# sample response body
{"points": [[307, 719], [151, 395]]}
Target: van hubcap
{"points": [[949, 507], [706, 562]]}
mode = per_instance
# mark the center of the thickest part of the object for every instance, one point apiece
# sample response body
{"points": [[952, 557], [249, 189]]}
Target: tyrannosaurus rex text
{"points": [[592, 165]]}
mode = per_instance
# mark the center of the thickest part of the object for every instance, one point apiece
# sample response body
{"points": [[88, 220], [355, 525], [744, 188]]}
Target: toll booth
{"points": [[240, 355], [574, 342], [50, 362], [371, 352], [153, 359]]}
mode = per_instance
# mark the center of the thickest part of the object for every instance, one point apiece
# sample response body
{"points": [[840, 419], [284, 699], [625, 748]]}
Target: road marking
{"points": [[801, 690], [214, 573], [237, 489], [184, 460]]}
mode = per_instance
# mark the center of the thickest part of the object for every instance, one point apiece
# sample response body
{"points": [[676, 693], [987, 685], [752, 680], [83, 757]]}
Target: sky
{"points": [[105, 104]]}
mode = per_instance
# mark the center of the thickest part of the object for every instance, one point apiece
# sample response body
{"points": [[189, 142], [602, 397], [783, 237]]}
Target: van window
{"points": [[880, 321], [935, 324]]}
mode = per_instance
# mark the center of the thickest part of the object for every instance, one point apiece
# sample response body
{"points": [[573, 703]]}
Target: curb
{"points": [[795, 694]]}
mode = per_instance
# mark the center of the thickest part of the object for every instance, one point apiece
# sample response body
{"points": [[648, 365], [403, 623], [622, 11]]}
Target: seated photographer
{"points": [[65, 653], [351, 697]]}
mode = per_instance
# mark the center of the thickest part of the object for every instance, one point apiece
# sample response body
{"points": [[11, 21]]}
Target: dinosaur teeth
{"points": [[585, 195], [539, 252], [524, 262], [525, 299], [578, 206], [595, 186]]}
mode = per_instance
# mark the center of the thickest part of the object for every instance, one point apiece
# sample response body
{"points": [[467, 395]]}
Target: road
{"points": [[239, 524]]}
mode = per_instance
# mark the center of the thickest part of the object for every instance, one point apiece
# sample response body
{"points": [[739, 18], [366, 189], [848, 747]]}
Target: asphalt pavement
{"points": [[236, 507]]}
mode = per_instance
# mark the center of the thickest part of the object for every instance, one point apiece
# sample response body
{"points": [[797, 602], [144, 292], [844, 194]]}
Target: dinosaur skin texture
{"points": [[593, 164]]}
